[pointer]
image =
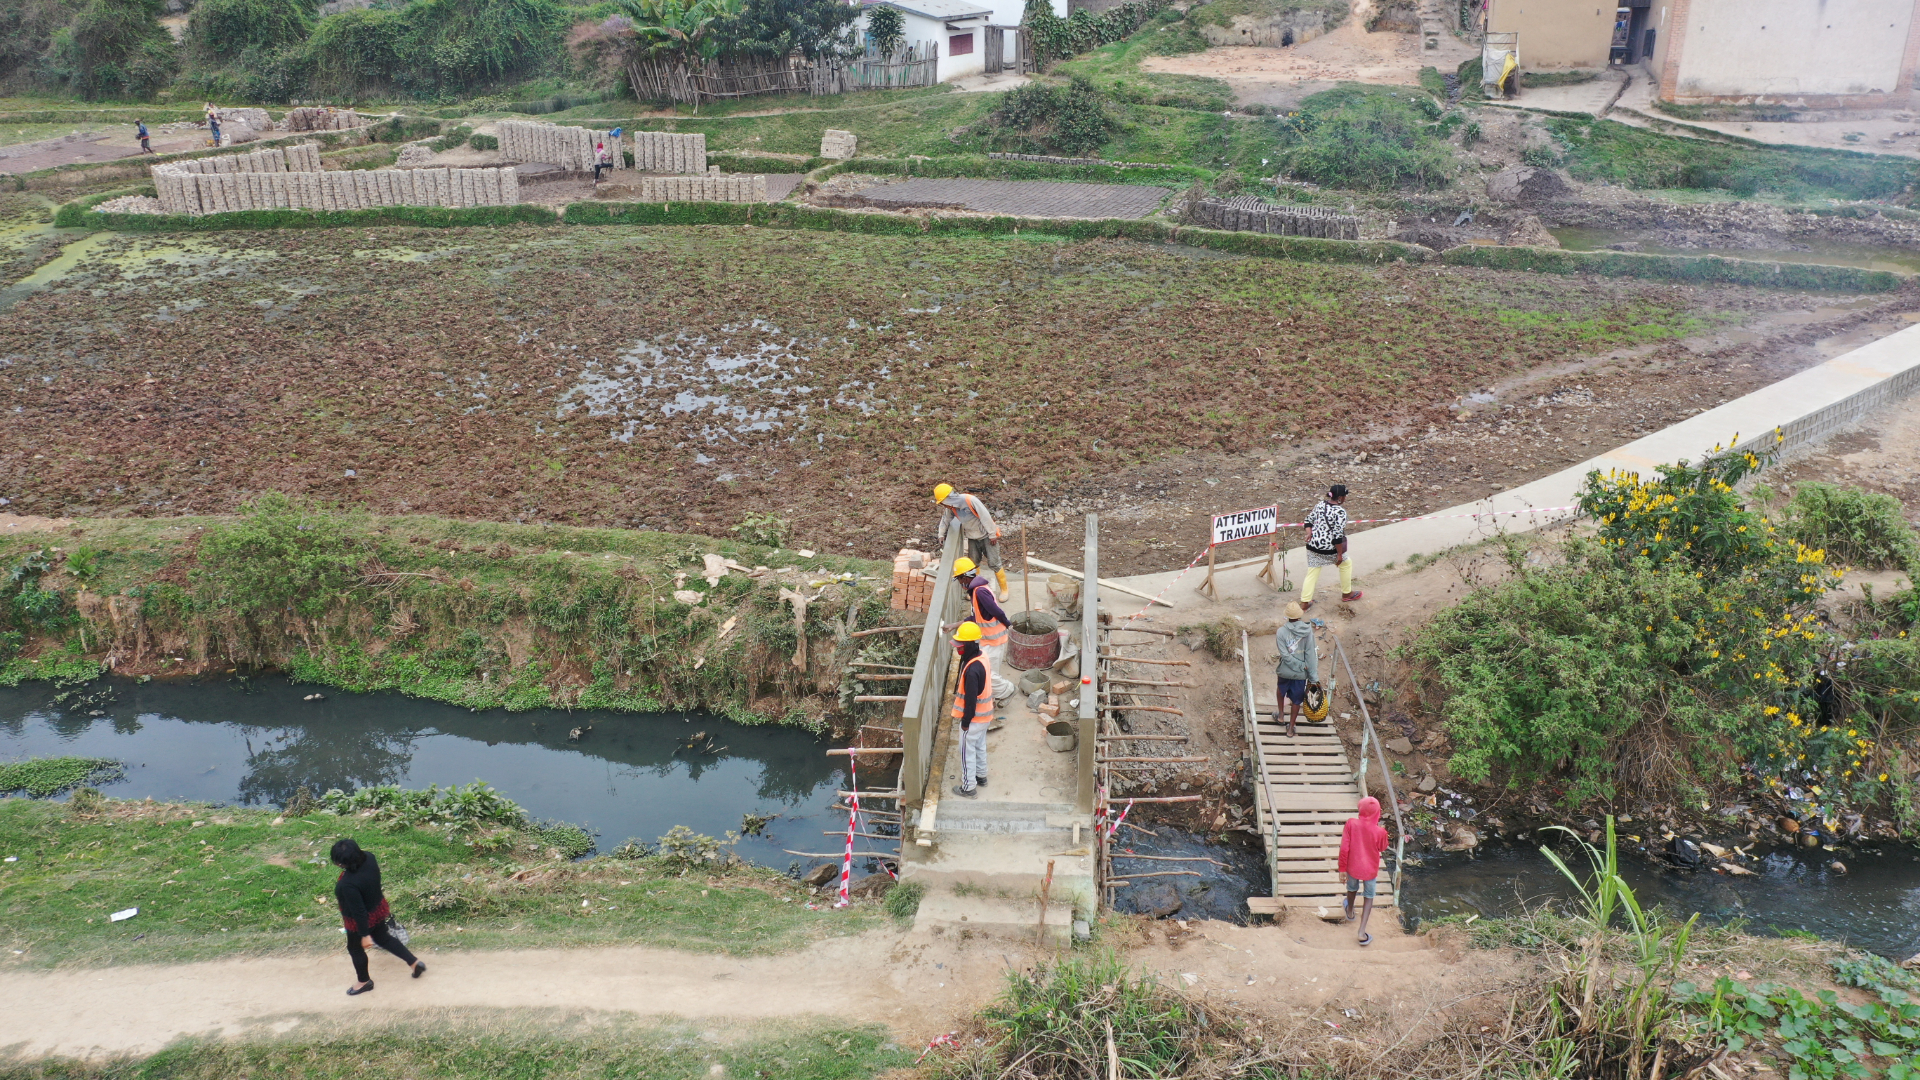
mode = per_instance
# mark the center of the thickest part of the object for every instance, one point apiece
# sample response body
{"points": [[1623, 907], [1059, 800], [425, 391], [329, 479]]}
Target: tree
{"points": [[886, 27], [223, 29], [116, 48], [681, 30], [816, 29]]}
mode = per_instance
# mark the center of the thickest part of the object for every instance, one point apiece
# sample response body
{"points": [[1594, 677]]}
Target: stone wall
{"points": [[703, 189], [298, 183]]}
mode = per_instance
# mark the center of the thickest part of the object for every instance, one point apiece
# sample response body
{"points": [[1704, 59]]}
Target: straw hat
{"points": [[1294, 612]]}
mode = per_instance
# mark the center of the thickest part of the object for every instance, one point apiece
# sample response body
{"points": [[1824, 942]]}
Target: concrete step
{"points": [[1006, 919], [1002, 864], [987, 815]]}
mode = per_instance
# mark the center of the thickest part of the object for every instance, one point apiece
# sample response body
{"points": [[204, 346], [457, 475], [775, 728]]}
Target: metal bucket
{"points": [[1060, 736], [1033, 641]]}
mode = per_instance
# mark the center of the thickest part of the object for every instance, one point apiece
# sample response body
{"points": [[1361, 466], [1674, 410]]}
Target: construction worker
{"points": [[992, 621], [976, 525], [968, 697]]}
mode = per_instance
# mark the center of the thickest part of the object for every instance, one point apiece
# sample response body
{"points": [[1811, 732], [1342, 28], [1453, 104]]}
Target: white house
{"points": [[958, 27]]}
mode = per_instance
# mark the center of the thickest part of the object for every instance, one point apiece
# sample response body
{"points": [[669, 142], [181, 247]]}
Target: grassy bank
{"points": [[521, 1045], [214, 882], [475, 614]]}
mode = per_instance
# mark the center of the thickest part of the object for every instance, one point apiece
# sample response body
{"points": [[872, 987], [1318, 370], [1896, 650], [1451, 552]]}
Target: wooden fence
{"points": [[655, 80]]}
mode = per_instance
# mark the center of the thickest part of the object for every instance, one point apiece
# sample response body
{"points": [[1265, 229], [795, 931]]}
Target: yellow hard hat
{"points": [[941, 491], [969, 631], [963, 565]]}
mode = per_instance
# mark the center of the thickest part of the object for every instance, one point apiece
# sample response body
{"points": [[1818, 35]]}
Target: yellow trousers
{"points": [[1312, 579]]}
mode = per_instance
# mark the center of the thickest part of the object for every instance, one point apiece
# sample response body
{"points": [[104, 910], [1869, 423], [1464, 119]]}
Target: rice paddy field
{"points": [[684, 378]]}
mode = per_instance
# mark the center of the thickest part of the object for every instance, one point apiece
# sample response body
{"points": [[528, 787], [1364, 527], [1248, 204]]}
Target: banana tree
{"points": [[682, 30]]}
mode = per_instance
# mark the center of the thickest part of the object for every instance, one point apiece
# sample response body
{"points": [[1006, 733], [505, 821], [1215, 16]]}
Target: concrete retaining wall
{"points": [[300, 184], [703, 189]]}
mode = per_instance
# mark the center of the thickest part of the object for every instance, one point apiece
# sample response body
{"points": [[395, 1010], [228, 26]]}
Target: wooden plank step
{"points": [[1265, 905]]}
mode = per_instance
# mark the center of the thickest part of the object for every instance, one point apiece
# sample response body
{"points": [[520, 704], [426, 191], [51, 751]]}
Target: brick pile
{"points": [[1248, 213], [665, 152], [837, 145], [293, 179], [912, 580], [663, 189], [309, 118]]}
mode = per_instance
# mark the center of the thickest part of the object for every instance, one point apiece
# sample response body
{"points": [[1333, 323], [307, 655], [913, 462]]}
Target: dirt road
{"points": [[1281, 76], [917, 984]]}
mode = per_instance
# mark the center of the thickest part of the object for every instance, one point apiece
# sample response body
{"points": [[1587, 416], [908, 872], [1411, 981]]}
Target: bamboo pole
{"points": [[879, 697], [1144, 738], [1137, 682], [893, 795], [876, 836], [852, 750], [1142, 708], [877, 664], [890, 677], [1137, 630], [1132, 877], [1103, 582], [894, 855], [1143, 660], [1111, 760], [1169, 858], [877, 727], [1026, 567], [1046, 891], [885, 630], [1155, 799]]}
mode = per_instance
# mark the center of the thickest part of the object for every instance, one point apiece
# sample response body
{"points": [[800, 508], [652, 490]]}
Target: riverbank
{"points": [[477, 614]]}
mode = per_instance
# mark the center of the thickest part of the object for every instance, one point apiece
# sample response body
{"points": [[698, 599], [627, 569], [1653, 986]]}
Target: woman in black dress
{"points": [[363, 907]]}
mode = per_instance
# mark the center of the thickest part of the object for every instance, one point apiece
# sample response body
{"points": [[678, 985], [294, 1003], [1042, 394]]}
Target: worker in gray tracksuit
{"points": [[1299, 664]]}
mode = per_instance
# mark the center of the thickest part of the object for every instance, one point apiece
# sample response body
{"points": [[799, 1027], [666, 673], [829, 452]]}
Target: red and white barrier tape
{"points": [[949, 1039], [1197, 559], [1117, 822], [853, 818]]}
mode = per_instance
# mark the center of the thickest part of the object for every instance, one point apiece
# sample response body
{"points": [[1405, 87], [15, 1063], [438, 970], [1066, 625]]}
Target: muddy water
{"points": [[1900, 260], [1875, 905], [255, 742]]}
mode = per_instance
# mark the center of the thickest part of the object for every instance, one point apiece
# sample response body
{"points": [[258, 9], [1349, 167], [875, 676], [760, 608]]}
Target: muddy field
{"points": [[685, 378]]}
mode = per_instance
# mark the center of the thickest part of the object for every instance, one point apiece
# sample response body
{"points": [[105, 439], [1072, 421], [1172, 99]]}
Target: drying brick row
{"points": [[214, 193], [703, 188]]}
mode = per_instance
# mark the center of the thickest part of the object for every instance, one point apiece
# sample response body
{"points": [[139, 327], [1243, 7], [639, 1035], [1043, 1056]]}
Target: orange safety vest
{"points": [[991, 633], [986, 691]]}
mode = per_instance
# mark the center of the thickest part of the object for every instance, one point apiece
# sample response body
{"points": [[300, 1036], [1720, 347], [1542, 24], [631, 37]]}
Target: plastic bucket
{"points": [[1060, 736], [1033, 641]]}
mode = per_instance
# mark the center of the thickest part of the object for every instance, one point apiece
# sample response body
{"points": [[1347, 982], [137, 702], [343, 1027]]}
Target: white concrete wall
{"points": [[1557, 34], [1787, 47]]}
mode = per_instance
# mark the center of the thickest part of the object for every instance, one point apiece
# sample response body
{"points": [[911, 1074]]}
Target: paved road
{"points": [[1027, 198]]}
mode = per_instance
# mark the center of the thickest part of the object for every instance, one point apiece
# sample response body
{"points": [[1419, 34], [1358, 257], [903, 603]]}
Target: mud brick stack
{"points": [[570, 148], [293, 179], [665, 152], [1248, 213], [669, 189], [912, 580], [837, 145], [308, 118]]}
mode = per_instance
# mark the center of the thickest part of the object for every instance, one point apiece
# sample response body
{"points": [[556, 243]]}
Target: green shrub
{"points": [[457, 137], [279, 554], [571, 841], [1701, 268], [682, 847], [1055, 38], [1069, 120], [492, 142], [225, 29], [46, 777], [403, 129], [1681, 644], [1066, 1020], [113, 48], [1864, 529], [431, 47], [1368, 138], [474, 806]]}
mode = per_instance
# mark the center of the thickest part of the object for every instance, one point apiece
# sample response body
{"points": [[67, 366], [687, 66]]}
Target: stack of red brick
{"points": [[912, 580]]}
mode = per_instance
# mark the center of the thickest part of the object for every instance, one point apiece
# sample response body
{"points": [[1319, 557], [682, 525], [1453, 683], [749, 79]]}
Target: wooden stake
{"points": [[1110, 707], [1143, 738], [1206, 588], [1266, 572], [885, 630], [1110, 760], [852, 750], [1128, 682], [1138, 660], [1026, 568], [1046, 890], [1137, 630], [879, 697]]}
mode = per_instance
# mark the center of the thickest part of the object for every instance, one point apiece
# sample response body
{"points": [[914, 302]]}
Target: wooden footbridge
{"points": [[1305, 790]]}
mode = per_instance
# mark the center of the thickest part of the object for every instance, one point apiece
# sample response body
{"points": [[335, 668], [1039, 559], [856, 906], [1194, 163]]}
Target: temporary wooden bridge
{"points": [[1305, 791]]}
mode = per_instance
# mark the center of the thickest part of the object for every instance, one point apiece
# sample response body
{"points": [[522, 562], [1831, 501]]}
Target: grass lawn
{"points": [[218, 882], [523, 1045]]}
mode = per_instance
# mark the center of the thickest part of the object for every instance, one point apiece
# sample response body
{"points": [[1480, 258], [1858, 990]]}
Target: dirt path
{"points": [[919, 985], [1281, 76]]}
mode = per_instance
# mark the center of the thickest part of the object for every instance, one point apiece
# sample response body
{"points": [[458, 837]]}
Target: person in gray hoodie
{"points": [[1299, 664]]}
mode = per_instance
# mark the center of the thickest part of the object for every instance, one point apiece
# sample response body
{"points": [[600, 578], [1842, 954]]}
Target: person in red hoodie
{"points": [[1361, 842]]}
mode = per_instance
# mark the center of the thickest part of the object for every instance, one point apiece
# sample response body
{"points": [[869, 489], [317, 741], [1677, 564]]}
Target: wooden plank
{"points": [[1264, 905]]}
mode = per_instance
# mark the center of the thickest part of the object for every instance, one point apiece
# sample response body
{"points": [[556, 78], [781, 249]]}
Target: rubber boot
{"points": [[1001, 577]]}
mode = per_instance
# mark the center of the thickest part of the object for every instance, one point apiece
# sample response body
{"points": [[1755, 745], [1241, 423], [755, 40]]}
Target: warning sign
{"points": [[1264, 521]]}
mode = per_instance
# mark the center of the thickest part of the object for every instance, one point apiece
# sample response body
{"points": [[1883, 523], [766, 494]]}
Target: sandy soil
{"points": [[1879, 455], [16, 524], [919, 985], [1347, 53]]}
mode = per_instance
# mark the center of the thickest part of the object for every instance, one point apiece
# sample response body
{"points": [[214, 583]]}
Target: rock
{"points": [[1082, 931], [1401, 746], [414, 154], [1433, 740], [1525, 184], [821, 874], [1529, 232], [1911, 963], [1159, 900], [871, 887], [688, 597], [1427, 783], [234, 134], [837, 145], [1837, 866], [1328, 914]]}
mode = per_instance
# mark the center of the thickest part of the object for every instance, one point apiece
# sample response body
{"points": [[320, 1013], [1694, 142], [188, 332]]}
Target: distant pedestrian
{"points": [[976, 526], [1361, 843], [213, 123], [971, 710], [363, 908], [1327, 546], [140, 129], [602, 160], [1299, 664]]}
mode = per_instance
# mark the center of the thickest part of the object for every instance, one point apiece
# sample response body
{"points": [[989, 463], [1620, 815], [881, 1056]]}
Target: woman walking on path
{"points": [[363, 907], [1327, 546]]}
